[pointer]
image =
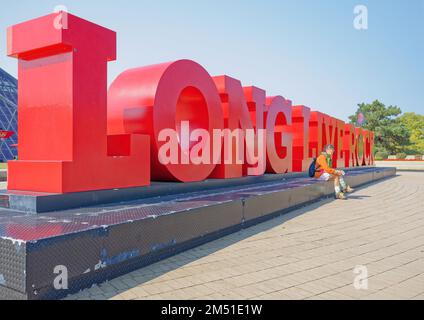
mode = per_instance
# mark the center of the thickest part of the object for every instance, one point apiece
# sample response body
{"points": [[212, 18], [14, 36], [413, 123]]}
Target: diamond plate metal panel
{"points": [[12, 264], [102, 242]]}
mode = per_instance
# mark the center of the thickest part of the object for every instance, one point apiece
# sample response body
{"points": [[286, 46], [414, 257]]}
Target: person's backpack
{"points": [[312, 168]]}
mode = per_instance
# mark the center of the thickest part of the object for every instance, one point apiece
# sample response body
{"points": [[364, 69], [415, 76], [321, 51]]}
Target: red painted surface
{"points": [[99, 140], [6, 134], [62, 91], [279, 138], [148, 100], [301, 158]]}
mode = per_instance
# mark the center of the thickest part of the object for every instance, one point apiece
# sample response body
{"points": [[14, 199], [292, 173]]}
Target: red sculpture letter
{"points": [[278, 135], [63, 146], [300, 132], [153, 99]]}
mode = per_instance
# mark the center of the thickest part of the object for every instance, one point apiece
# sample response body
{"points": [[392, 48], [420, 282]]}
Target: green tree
{"points": [[415, 124], [391, 134]]}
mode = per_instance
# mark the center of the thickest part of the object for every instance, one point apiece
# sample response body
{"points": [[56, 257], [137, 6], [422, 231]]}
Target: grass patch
{"points": [[3, 166]]}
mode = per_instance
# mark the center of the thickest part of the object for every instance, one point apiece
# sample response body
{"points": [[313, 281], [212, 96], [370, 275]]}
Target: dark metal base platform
{"points": [[37, 202], [101, 242]]}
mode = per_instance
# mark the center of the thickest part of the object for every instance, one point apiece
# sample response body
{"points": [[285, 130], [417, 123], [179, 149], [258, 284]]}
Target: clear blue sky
{"points": [[305, 50]]}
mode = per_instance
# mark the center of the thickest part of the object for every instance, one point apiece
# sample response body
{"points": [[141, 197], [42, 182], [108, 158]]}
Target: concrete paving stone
{"points": [[352, 292], [296, 293], [333, 295], [309, 253]]}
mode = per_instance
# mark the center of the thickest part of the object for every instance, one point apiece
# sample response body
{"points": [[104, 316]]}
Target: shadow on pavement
{"points": [[136, 278], [357, 197]]}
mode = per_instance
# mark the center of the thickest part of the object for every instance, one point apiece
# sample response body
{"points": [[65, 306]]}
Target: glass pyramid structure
{"points": [[8, 115]]}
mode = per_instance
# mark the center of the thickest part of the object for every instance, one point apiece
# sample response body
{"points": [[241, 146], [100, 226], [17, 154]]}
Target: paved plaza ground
{"points": [[317, 252]]}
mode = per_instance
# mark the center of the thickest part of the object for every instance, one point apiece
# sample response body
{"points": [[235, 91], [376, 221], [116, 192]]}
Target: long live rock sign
{"points": [[97, 140], [104, 147]]}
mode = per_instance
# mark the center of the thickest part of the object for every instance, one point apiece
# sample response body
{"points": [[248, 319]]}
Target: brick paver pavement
{"points": [[310, 253]]}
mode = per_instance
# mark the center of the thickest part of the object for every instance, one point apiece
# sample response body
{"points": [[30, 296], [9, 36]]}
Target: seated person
{"points": [[324, 171]]}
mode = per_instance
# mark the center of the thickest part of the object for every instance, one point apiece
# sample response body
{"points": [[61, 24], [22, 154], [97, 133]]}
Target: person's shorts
{"points": [[325, 176]]}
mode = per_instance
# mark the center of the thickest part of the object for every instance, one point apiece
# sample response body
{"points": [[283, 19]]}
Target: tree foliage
{"points": [[415, 124], [391, 134]]}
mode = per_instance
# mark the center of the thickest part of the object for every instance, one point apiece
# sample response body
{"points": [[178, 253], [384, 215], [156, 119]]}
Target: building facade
{"points": [[8, 115]]}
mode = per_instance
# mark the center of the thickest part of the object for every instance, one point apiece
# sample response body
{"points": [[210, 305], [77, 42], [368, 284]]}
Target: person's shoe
{"points": [[340, 196], [349, 189]]}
